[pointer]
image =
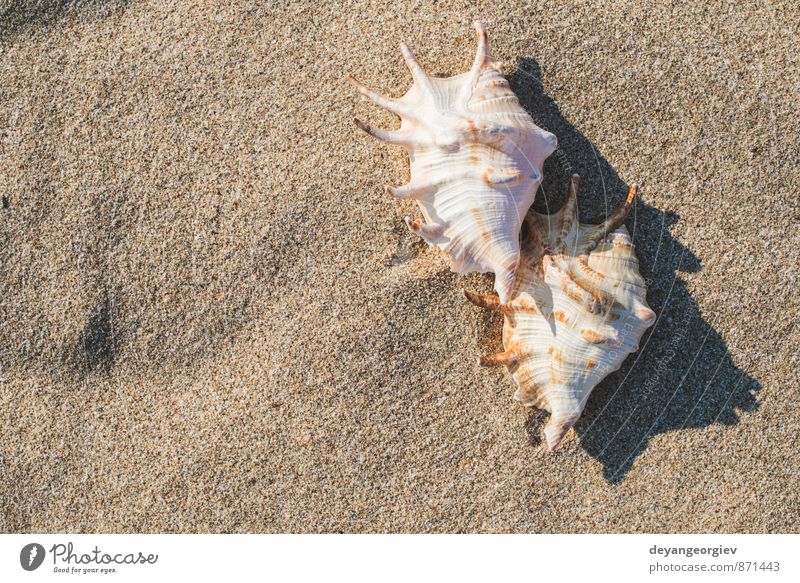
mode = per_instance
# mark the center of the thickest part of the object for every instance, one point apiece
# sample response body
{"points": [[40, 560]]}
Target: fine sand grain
{"points": [[213, 319]]}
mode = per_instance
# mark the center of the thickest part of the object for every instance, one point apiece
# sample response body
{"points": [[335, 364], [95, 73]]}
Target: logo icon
{"points": [[31, 556]]}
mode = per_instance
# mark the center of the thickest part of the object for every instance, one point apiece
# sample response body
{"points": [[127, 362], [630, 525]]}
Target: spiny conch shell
{"points": [[578, 310], [476, 162]]}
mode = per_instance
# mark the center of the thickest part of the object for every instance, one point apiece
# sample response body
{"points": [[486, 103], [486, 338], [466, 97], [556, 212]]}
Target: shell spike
{"points": [[489, 302], [504, 282], [385, 102], [645, 314], [483, 55], [388, 137], [507, 358], [431, 232], [398, 191], [557, 428], [417, 72], [410, 190], [569, 213], [614, 220]]}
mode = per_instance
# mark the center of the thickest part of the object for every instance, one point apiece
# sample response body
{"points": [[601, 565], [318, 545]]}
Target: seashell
{"points": [[476, 162], [578, 310]]}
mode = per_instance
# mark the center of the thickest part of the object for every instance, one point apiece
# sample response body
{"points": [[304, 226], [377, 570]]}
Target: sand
{"points": [[213, 319]]}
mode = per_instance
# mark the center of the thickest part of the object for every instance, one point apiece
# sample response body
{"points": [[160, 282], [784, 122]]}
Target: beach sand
{"points": [[212, 318]]}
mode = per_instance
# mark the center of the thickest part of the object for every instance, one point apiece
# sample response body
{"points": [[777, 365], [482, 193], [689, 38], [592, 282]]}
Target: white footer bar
{"points": [[377, 558]]}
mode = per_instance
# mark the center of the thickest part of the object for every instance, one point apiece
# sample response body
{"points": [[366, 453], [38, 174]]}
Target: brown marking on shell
{"points": [[556, 353], [555, 377], [497, 83], [474, 157], [593, 336], [590, 364], [583, 263], [521, 304], [573, 289], [560, 316], [476, 214], [507, 335]]}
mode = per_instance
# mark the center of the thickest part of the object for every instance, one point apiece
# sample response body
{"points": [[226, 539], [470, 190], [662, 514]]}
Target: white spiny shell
{"points": [[476, 163], [578, 310]]}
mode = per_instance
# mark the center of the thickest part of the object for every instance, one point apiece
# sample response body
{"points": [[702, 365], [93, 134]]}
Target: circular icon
{"points": [[31, 556]]}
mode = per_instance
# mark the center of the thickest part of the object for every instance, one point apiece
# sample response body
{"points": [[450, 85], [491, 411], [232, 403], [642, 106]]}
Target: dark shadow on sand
{"points": [[683, 375], [19, 15]]}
